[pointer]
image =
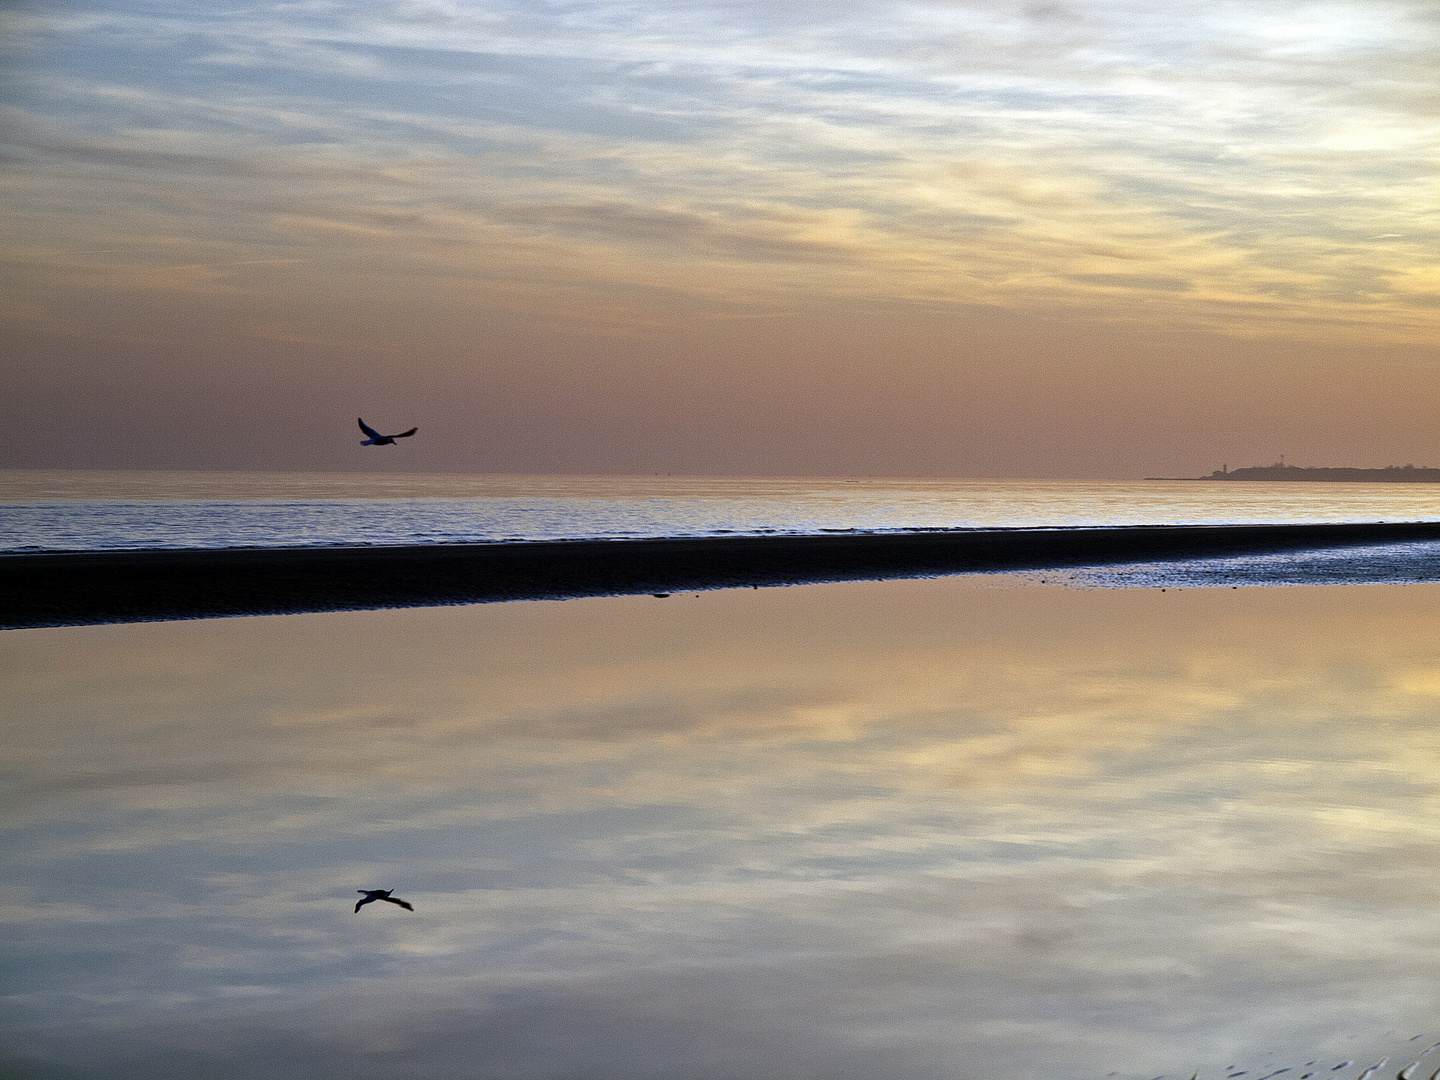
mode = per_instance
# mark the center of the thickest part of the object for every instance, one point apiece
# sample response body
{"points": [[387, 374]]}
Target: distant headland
{"points": [[1391, 474]]}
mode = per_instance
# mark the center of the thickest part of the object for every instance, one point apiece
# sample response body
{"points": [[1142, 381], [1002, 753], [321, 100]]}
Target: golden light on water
{"points": [[927, 826]]}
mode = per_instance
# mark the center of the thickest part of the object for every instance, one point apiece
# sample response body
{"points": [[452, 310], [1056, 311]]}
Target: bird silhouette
{"points": [[376, 439], [371, 895]]}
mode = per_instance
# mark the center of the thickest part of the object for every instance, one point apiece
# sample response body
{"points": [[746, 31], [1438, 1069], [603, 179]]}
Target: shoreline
{"points": [[1311, 474], [87, 588]]}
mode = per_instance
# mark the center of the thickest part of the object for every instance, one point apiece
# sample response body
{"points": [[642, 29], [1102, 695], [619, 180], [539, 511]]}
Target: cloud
{"points": [[973, 153]]}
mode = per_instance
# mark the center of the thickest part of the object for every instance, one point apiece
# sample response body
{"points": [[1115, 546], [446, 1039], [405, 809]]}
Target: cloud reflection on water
{"points": [[905, 829]]}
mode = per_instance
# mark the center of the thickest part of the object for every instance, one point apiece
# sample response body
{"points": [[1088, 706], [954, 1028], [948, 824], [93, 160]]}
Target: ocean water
{"points": [[905, 830], [910, 830], [87, 511]]}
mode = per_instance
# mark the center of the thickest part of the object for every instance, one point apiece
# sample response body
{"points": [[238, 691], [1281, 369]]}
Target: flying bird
{"points": [[371, 895], [376, 439]]}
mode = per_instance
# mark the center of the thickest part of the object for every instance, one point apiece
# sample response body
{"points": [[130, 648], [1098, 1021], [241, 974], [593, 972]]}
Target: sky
{"points": [[1099, 239], [910, 830]]}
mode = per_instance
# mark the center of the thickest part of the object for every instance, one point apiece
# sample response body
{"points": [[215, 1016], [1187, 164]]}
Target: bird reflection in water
{"points": [[371, 895]]}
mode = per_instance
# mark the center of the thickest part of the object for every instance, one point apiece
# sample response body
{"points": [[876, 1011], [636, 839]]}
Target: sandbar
{"points": [[78, 588]]}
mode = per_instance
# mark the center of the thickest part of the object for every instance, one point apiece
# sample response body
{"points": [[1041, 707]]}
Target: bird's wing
{"points": [[361, 903], [370, 431], [401, 903], [405, 434]]}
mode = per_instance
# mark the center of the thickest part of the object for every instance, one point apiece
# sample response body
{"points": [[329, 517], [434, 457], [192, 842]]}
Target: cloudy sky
{"points": [[976, 237]]}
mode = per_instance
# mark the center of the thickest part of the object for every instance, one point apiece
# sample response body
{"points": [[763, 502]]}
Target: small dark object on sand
{"points": [[371, 895]]}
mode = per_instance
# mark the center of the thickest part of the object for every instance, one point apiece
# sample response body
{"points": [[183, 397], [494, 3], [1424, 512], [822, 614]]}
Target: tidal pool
{"points": [[965, 828]]}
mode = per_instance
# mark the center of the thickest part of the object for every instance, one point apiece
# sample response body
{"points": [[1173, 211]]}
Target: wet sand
{"points": [[67, 589]]}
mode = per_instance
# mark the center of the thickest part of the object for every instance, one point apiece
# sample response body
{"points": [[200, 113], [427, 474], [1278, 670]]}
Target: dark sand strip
{"points": [[71, 589]]}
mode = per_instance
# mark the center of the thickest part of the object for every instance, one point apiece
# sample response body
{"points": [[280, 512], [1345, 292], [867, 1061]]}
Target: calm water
{"points": [[88, 511], [894, 831], [968, 828]]}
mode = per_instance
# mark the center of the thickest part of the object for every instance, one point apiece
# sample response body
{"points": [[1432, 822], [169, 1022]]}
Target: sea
{"points": [[51, 510], [59, 510], [976, 827]]}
